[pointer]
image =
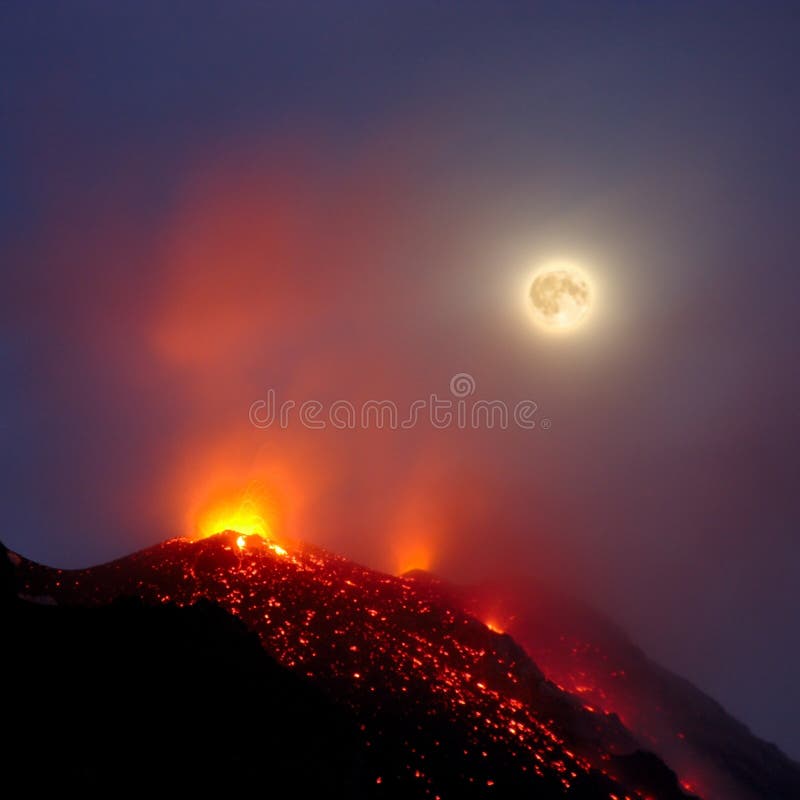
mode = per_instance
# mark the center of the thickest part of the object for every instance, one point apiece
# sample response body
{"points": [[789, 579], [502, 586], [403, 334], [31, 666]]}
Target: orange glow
{"points": [[417, 529], [413, 554], [241, 512], [242, 543], [493, 626], [244, 513]]}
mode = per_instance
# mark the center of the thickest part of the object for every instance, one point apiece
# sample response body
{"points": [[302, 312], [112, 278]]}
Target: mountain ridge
{"points": [[393, 657], [590, 655]]}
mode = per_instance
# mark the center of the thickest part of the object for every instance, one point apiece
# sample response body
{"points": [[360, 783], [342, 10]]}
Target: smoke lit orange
{"points": [[412, 555], [243, 513]]}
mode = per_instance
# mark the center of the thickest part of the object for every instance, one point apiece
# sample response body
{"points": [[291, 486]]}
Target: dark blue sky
{"points": [[200, 200]]}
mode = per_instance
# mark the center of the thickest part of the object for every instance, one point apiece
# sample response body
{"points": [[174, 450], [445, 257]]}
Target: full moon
{"points": [[560, 297]]}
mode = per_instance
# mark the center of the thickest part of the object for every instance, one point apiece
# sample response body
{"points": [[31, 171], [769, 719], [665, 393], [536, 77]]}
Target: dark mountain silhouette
{"points": [[366, 684], [589, 656], [139, 699]]}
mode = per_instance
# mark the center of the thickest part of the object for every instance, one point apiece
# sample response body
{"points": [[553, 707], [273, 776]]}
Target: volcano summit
{"points": [[431, 701]]}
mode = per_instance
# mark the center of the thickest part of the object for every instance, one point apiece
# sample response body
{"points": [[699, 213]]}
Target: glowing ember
{"points": [[383, 646], [494, 627], [244, 540]]}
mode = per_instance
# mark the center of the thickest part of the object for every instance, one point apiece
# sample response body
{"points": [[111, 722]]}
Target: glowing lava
{"points": [[243, 516], [277, 549], [393, 651], [242, 512], [245, 540]]}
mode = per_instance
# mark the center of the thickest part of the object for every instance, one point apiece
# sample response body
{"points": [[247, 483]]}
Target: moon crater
{"points": [[560, 298]]}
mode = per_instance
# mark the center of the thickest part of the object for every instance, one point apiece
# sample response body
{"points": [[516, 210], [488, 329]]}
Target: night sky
{"points": [[337, 200]]}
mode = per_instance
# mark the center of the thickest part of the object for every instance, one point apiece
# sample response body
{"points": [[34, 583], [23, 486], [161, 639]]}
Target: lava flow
{"points": [[589, 657], [473, 713]]}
